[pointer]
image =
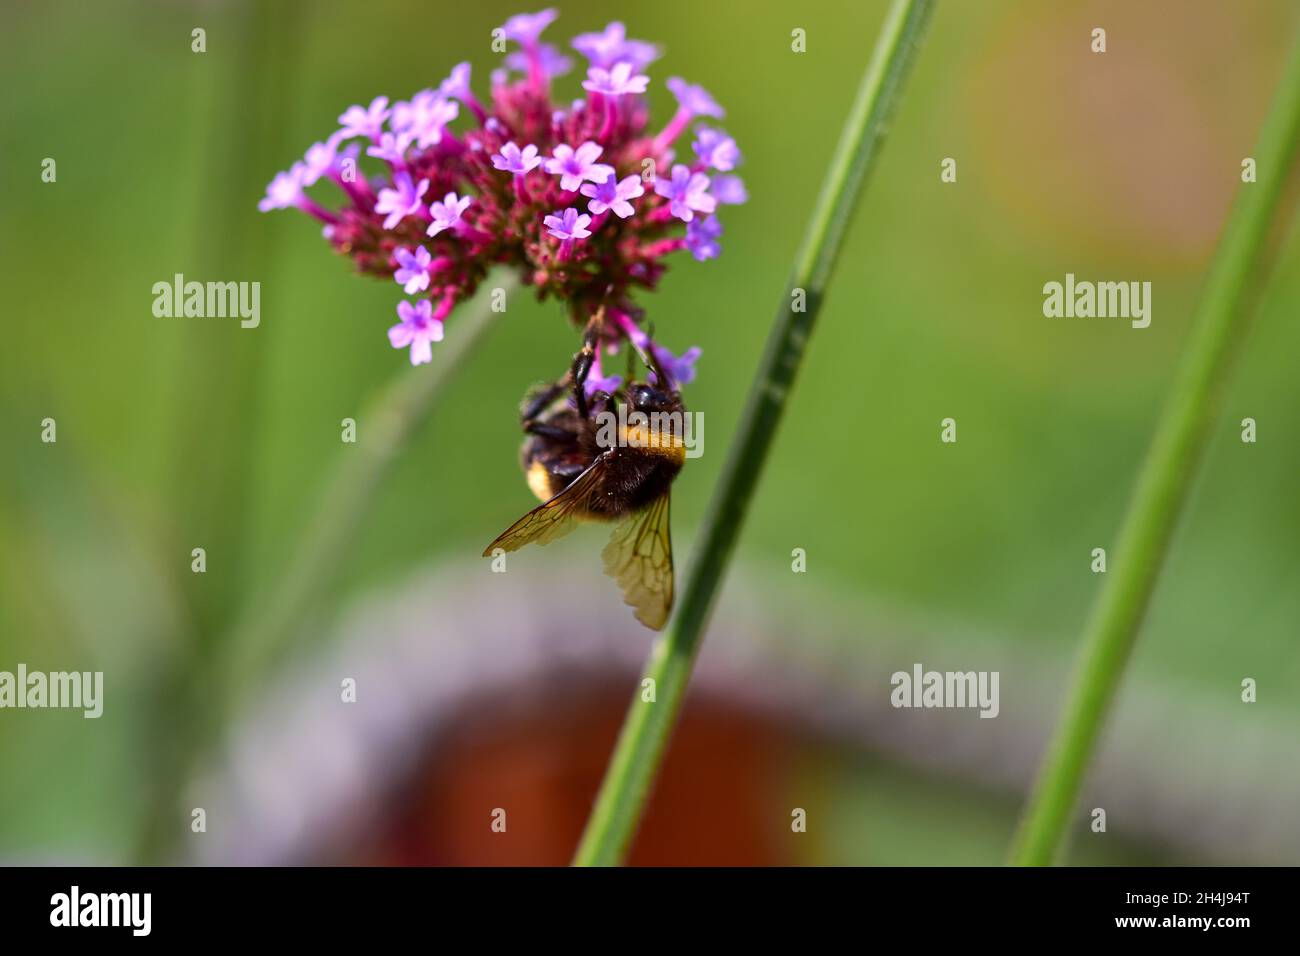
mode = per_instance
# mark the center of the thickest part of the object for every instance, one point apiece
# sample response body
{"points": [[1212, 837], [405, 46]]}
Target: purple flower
{"points": [[729, 190], [715, 148], [319, 160], [573, 166], [702, 238], [552, 61], [391, 148], [525, 28], [615, 81], [351, 152], [681, 369], [418, 329], [456, 85], [285, 189], [686, 192], [402, 201], [413, 268], [694, 99], [598, 383], [512, 159], [613, 195], [423, 119], [438, 112], [447, 213], [568, 225], [611, 45], [587, 153], [403, 114], [367, 122]]}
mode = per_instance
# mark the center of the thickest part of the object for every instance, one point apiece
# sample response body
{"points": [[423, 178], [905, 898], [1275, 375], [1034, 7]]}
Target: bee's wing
{"points": [[555, 518], [639, 557]]}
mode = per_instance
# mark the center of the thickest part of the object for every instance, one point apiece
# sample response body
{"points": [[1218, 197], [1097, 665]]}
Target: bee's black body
{"points": [[564, 445]]}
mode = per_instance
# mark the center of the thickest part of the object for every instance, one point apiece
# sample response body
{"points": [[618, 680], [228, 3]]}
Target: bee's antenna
{"points": [[631, 354], [658, 370], [595, 329], [651, 361]]}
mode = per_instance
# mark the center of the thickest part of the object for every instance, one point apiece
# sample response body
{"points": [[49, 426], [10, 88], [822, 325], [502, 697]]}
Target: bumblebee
{"points": [[596, 462]]}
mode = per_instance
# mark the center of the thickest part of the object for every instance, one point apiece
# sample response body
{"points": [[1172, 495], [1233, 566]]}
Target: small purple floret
{"points": [[403, 201], [418, 329], [694, 99], [525, 28], [715, 148], [512, 159], [365, 121], [616, 81], [611, 45], [412, 268], [687, 193], [568, 225], [575, 166], [613, 195], [447, 213], [702, 238]]}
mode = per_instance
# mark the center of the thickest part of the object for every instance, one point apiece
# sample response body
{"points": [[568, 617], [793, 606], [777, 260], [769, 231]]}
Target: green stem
{"points": [[646, 729], [1179, 444]]}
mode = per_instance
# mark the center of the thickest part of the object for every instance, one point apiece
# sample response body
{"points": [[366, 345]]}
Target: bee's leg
{"points": [[536, 404], [568, 469], [583, 361], [549, 431]]}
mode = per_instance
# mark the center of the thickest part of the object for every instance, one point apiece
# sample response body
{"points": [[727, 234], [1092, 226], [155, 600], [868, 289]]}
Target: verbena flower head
{"points": [[585, 198]]}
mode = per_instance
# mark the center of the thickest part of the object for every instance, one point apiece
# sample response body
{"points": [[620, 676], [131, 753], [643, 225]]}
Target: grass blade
{"points": [[646, 730], [1177, 448]]}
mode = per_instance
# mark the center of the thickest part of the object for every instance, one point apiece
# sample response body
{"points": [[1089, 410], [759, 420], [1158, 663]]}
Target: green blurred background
{"points": [[178, 433]]}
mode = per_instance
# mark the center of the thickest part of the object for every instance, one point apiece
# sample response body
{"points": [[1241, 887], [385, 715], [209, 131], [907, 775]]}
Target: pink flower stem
{"points": [[358, 191], [466, 231], [536, 77], [611, 114], [630, 328], [444, 307], [312, 208], [663, 247], [674, 129]]}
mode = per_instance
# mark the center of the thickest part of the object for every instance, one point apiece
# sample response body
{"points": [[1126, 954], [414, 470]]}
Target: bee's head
{"points": [[646, 398]]}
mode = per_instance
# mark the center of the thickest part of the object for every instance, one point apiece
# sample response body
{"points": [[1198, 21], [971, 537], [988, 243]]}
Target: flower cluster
{"points": [[583, 198]]}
